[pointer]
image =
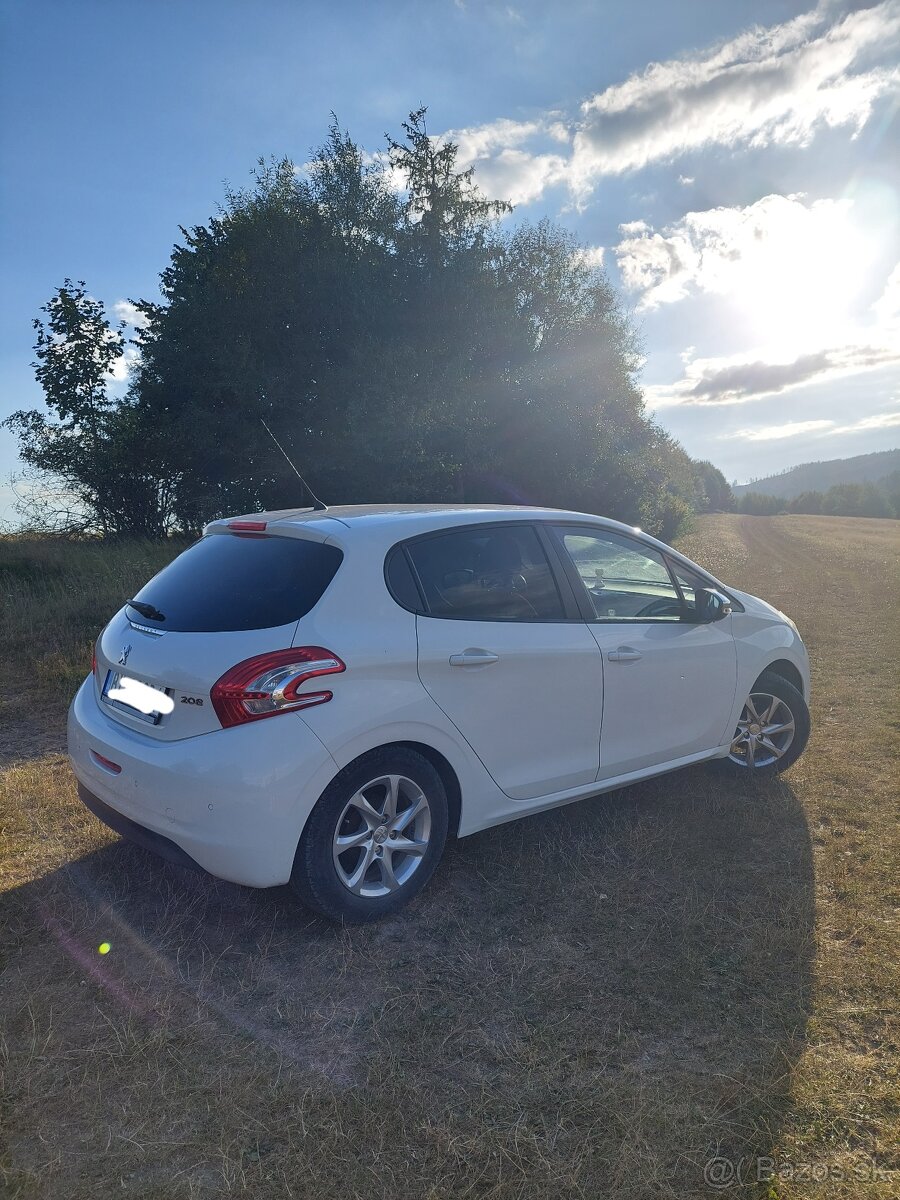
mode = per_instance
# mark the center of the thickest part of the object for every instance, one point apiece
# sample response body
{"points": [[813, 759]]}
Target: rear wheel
{"points": [[772, 730], [374, 838]]}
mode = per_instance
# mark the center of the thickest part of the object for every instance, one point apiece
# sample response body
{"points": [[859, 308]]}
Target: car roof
{"points": [[408, 519], [386, 524]]}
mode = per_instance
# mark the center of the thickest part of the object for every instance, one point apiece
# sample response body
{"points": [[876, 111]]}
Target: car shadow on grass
{"points": [[601, 998]]}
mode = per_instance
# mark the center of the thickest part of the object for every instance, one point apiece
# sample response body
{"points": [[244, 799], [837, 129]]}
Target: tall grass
{"points": [[55, 597]]}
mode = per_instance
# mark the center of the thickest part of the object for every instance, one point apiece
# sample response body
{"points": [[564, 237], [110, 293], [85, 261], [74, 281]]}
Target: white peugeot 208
{"points": [[321, 698]]}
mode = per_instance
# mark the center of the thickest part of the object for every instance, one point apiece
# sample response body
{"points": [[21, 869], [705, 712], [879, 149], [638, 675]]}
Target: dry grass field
{"points": [[597, 1002]]}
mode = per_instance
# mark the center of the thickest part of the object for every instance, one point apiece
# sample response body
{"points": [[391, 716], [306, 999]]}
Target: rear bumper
{"points": [[129, 829], [233, 802]]}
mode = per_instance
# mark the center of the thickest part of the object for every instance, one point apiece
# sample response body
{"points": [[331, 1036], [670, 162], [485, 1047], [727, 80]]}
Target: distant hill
{"points": [[820, 476]]}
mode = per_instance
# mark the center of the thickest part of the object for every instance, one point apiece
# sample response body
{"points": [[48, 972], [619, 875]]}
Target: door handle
{"points": [[624, 654], [473, 658]]}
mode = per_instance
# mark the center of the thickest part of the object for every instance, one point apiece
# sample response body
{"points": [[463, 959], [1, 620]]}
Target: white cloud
{"points": [[122, 366], [790, 429], [880, 421], [130, 314], [742, 378], [125, 311], [768, 86], [771, 433], [480, 141], [736, 250], [795, 272], [519, 177], [887, 306], [504, 171], [591, 256], [558, 130]]}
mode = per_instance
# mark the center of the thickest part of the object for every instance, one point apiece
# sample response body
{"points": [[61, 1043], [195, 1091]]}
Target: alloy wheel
{"points": [[381, 836], [764, 732]]}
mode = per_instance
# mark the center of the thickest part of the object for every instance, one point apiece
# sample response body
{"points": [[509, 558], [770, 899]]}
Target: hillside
{"points": [[820, 476]]}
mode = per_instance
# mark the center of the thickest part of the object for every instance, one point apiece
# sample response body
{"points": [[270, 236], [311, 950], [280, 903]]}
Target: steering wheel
{"points": [[660, 608], [511, 585]]}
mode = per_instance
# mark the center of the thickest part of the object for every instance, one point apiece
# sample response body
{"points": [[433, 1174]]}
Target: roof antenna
{"points": [[317, 504]]}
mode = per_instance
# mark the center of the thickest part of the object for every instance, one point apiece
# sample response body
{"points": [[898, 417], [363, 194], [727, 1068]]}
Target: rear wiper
{"points": [[147, 610]]}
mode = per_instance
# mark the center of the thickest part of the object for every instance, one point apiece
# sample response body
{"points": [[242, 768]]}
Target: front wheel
{"points": [[772, 730], [374, 838]]}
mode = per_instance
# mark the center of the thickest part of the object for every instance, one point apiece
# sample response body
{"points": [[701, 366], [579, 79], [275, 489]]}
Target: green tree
{"points": [[875, 502], [401, 346], [262, 311], [806, 502], [401, 349], [857, 500], [757, 504], [85, 465], [714, 492], [890, 486], [76, 350], [446, 211]]}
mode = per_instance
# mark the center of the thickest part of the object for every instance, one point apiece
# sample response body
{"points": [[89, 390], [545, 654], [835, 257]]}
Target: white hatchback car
{"points": [[439, 669]]}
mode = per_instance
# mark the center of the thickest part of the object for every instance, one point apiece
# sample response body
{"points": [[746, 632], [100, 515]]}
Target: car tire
{"points": [[358, 860], [772, 730]]}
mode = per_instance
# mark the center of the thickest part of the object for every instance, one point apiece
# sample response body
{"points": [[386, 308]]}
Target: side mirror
{"points": [[711, 606]]}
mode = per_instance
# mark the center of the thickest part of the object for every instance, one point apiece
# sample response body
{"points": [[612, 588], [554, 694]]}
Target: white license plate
{"points": [[135, 698]]}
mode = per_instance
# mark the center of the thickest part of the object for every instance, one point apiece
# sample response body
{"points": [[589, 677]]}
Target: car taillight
{"points": [[268, 684]]}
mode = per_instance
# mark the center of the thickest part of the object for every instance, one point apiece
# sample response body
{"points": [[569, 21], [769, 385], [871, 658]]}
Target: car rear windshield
{"points": [[229, 581]]}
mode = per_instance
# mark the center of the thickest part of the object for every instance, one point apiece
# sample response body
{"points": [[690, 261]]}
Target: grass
{"points": [[597, 1001], [55, 597]]}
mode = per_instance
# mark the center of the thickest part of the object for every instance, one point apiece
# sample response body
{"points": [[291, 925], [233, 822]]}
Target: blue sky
{"points": [[734, 165]]}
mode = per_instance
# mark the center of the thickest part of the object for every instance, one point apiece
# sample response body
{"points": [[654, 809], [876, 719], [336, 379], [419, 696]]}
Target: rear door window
{"points": [[482, 574], [228, 582]]}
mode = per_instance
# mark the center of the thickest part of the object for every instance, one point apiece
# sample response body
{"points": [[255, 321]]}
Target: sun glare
{"points": [[800, 286]]}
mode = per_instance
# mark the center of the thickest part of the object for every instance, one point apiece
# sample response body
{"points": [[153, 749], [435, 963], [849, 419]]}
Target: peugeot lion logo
{"points": [[123, 657]]}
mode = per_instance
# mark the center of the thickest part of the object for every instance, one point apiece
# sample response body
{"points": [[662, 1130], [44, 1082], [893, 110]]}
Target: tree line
{"points": [[880, 499], [399, 339]]}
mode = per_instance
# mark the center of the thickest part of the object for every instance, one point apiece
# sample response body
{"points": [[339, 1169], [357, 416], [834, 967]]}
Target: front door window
{"points": [[624, 580]]}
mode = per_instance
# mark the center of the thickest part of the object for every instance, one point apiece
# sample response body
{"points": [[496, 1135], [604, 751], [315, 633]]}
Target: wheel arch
{"points": [[784, 668], [448, 776]]}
